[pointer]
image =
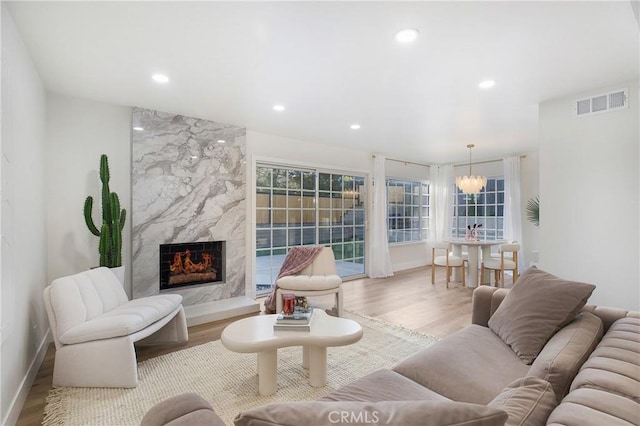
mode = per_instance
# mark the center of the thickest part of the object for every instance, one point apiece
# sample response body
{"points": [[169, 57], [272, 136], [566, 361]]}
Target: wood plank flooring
{"points": [[407, 299]]}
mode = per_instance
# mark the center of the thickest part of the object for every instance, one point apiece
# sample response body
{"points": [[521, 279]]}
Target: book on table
{"points": [[297, 318], [292, 327], [300, 323]]}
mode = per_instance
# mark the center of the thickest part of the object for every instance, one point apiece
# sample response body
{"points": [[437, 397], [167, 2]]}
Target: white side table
{"points": [[256, 334]]}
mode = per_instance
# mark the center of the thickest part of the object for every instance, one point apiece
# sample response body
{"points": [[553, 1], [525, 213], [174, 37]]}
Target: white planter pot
{"points": [[119, 272]]}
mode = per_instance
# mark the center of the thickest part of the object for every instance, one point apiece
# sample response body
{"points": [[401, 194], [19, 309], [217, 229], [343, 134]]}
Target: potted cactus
{"points": [[113, 218]]}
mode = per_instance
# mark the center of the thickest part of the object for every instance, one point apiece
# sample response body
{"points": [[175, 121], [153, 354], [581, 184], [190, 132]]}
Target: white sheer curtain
{"points": [[512, 209], [380, 258], [441, 185]]}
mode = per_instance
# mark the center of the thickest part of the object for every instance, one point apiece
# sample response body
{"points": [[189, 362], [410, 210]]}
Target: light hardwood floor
{"points": [[407, 299]]}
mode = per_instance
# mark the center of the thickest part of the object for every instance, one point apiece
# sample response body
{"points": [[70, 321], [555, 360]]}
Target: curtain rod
{"points": [[484, 162], [455, 165], [405, 161]]}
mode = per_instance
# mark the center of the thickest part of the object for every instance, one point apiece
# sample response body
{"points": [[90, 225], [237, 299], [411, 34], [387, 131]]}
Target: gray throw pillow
{"points": [[537, 306], [528, 401]]}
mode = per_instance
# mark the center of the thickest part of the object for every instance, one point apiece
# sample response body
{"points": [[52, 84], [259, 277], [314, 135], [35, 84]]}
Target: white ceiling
{"points": [[336, 63]]}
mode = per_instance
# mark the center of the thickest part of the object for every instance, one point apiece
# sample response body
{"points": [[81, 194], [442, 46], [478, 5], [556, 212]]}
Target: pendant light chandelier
{"points": [[471, 184]]}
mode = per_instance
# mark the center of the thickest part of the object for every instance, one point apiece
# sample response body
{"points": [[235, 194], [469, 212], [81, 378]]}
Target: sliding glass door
{"points": [[297, 206]]}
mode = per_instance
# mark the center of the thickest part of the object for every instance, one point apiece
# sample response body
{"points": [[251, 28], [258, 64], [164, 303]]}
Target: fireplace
{"points": [[190, 264]]}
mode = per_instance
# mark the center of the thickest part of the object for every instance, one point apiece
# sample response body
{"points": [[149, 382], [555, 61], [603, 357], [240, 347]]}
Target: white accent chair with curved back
{"points": [[449, 261], [507, 261], [94, 327], [317, 279]]}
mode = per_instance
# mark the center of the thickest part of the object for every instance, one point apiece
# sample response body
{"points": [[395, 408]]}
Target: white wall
{"points": [[589, 193], [78, 132], [530, 188], [23, 265]]}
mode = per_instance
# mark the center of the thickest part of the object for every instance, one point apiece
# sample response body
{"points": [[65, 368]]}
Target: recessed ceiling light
{"points": [[221, 141], [194, 157], [160, 78], [407, 36], [138, 128], [355, 126], [278, 108], [487, 84]]}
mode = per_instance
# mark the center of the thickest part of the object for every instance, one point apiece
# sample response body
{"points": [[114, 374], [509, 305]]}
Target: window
{"points": [[407, 210], [485, 208], [301, 206]]}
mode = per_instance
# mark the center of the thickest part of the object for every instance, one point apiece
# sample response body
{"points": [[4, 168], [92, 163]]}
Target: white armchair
{"points": [[94, 327], [317, 279]]}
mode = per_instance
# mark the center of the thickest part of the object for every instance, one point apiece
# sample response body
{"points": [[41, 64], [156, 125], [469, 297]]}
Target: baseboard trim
{"points": [[27, 382], [220, 309], [409, 265]]}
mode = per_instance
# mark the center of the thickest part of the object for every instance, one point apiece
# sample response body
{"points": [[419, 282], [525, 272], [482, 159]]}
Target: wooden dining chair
{"points": [[508, 261], [449, 261]]}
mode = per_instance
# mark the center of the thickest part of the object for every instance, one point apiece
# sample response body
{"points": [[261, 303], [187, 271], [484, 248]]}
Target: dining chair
{"points": [[449, 261], [507, 261]]}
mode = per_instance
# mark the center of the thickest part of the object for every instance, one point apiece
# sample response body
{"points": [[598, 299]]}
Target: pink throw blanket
{"points": [[298, 258]]}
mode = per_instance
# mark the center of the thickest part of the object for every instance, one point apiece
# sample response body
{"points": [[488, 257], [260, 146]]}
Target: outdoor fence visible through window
{"points": [[299, 207], [407, 210]]}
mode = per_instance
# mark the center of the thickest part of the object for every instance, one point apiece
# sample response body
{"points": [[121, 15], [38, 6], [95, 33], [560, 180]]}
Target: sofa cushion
{"points": [[594, 407], [383, 385], [528, 401], [309, 282], [182, 410], [355, 413], [606, 391], [472, 365], [614, 366], [563, 355], [123, 320], [538, 305]]}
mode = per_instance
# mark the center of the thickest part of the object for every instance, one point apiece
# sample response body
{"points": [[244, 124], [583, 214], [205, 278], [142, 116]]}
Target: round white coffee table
{"points": [[256, 334]]}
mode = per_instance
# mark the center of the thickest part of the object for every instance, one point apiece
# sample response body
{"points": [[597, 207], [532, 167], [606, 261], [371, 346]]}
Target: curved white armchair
{"points": [[448, 260], [317, 279], [94, 327], [508, 261]]}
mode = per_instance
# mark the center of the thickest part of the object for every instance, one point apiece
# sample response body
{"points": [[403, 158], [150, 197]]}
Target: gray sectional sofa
{"points": [[533, 355]]}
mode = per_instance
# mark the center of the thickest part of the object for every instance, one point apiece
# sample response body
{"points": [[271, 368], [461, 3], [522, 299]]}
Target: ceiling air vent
{"points": [[605, 102]]}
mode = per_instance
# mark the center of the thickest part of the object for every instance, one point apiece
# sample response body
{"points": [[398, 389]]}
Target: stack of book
{"points": [[298, 321]]}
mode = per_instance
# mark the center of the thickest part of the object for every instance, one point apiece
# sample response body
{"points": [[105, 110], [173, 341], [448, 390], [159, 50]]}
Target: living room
{"points": [[584, 170]]}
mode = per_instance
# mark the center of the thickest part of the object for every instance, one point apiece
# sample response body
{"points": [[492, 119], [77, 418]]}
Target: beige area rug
{"points": [[228, 380]]}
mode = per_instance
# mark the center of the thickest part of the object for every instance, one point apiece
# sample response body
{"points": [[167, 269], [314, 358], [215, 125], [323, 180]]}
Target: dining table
{"points": [[473, 247]]}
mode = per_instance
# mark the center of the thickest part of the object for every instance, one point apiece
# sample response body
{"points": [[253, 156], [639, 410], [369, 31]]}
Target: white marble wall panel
{"points": [[187, 186]]}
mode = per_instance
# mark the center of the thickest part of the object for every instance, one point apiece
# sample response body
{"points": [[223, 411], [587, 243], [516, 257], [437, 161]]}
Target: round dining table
{"points": [[473, 248]]}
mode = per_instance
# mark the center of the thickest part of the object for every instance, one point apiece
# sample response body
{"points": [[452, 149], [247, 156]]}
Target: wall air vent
{"points": [[604, 102]]}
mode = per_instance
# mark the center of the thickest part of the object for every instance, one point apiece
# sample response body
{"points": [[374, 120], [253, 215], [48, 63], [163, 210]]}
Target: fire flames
{"points": [[187, 266]]}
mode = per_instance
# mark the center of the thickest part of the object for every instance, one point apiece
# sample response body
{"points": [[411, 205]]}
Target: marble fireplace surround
{"points": [[189, 187]]}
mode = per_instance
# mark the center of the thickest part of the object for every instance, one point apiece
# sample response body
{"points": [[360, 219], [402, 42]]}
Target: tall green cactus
{"points": [[113, 218]]}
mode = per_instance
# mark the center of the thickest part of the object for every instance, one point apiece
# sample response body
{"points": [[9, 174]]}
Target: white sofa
{"points": [[94, 327]]}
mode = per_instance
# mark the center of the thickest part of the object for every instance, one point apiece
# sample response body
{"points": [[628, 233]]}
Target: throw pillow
{"points": [[357, 413], [182, 410], [538, 305], [563, 355], [528, 401]]}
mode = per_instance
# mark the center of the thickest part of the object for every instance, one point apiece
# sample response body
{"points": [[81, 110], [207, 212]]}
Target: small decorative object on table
{"points": [[302, 304], [298, 321], [472, 232], [288, 303]]}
